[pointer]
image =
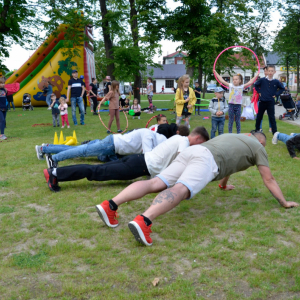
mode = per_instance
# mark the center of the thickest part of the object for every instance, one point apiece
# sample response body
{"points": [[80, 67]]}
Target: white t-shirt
{"points": [[137, 141], [63, 108], [235, 94], [154, 127], [161, 156]]}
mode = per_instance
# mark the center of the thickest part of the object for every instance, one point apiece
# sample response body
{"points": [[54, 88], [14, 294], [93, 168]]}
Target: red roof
{"points": [[173, 54]]}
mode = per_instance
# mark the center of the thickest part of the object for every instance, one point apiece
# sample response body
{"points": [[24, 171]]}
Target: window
{"points": [[169, 84], [247, 79], [227, 79]]}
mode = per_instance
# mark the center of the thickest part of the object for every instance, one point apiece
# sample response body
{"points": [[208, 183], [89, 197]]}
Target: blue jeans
{"points": [[8, 105], [74, 101], [93, 148], [48, 99], [217, 123], [2, 121], [284, 137]]}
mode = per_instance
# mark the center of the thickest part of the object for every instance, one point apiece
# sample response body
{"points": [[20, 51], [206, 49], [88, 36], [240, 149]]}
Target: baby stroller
{"points": [[26, 103], [291, 109]]}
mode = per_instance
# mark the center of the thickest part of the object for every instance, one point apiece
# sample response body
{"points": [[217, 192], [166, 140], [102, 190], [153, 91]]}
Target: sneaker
{"points": [[292, 134], [107, 215], [95, 114], [139, 117], [108, 131], [140, 230], [39, 152], [50, 162], [51, 180], [260, 130], [3, 137], [275, 138], [82, 123], [49, 108], [270, 129], [62, 126], [68, 126], [120, 130]]}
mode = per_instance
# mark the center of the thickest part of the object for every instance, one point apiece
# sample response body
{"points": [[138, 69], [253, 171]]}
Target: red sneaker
{"points": [[107, 215], [140, 230], [51, 180]]}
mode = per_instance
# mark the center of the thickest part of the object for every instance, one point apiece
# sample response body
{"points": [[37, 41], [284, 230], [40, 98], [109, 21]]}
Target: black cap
{"points": [[167, 130], [74, 71]]}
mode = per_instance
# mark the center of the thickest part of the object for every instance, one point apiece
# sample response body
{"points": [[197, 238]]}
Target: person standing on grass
{"points": [[185, 99], [235, 99], [76, 87], [3, 108], [269, 89], [197, 91], [93, 95], [63, 108], [218, 108], [55, 111], [150, 94], [113, 97], [84, 95], [10, 100], [189, 173], [49, 90]]}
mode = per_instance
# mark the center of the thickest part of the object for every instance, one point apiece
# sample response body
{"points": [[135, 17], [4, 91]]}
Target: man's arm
{"points": [[273, 187], [223, 184], [68, 93], [83, 89]]}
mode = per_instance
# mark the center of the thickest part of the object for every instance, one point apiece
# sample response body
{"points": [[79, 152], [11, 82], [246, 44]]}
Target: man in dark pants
{"points": [[269, 89]]}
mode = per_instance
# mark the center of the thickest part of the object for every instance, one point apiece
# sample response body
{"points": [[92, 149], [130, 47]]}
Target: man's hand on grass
{"points": [[291, 204], [296, 157]]}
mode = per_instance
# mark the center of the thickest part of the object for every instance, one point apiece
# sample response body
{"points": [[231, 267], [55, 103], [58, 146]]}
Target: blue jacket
{"points": [[3, 100], [268, 88]]}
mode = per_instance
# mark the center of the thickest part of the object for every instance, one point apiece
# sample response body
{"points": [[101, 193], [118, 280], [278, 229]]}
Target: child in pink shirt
{"points": [[63, 108]]}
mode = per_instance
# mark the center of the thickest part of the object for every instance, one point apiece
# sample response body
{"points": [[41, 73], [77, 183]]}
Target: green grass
{"points": [[219, 245]]}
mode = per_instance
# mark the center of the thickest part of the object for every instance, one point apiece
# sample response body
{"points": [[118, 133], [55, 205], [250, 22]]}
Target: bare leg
{"points": [[139, 189], [111, 117], [117, 114], [167, 200]]}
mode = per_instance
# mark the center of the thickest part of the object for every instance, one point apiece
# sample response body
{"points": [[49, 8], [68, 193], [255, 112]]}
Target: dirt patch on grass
{"points": [[3, 194], [39, 208]]}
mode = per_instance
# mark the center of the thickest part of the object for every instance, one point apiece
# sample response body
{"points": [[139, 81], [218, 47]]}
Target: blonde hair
{"points": [[62, 99], [181, 80], [240, 77]]}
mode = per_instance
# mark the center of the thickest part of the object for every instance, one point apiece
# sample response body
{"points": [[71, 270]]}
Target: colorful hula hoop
{"points": [[151, 120], [105, 125], [257, 60]]}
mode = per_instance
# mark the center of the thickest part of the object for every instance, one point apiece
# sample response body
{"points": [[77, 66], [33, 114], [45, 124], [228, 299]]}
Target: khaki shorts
{"points": [[194, 167]]}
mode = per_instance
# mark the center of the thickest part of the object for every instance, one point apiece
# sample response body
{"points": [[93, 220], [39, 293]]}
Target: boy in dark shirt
{"points": [[55, 111], [269, 89], [197, 91]]}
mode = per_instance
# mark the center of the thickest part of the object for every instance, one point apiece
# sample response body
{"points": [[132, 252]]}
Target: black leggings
{"points": [[95, 102], [127, 168]]}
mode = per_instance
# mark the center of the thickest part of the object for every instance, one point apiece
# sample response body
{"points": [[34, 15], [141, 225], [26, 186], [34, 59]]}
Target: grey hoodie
{"points": [[218, 105]]}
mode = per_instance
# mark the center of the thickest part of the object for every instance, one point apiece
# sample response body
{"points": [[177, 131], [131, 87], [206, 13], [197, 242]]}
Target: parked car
{"points": [[211, 88]]}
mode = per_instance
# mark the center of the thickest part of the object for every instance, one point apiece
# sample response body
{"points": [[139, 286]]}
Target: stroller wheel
{"points": [[280, 117]]}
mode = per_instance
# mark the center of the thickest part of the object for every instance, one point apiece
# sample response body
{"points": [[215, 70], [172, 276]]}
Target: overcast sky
{"points": [[18, 55]]}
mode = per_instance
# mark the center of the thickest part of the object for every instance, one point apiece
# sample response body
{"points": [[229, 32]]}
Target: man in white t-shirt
{"points": [[131, 166]]}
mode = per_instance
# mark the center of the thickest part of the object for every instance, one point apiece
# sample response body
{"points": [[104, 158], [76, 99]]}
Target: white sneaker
{"points": [[139, 117], [68, 126], [49, 108], [275, 138], [133, 117], [292, 134], [62, 126]]}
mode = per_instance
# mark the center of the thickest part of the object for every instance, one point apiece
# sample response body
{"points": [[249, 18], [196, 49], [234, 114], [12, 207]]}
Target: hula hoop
{"points": [[214, 68], [105, 125], [151, 120]]}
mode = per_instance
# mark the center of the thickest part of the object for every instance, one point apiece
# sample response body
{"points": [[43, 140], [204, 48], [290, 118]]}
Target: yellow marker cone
{"points": [[55, 142], [75, 137], [61, 138], [71, 142]]}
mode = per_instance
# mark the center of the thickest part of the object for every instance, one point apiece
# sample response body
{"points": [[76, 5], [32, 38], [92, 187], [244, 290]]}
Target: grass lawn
{"points": [[219, 245]]}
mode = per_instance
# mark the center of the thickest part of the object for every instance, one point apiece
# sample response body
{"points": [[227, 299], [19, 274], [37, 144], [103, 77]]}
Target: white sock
{"points": [[54, 172]]}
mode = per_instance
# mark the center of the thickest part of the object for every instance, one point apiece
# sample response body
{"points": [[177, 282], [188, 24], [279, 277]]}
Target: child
{"points": [[137, 108], [197, 91], [122, 101], [185, 99], [55, 111], [113, 97], [235, 99], [160, 119], [63, 108], [218, 108], [3, 108], [150, 94]]}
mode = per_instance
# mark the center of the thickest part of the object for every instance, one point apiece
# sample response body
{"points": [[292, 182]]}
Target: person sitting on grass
{"points": [[136, 108], [292, 142], [218, 108], [131, 166], [160, 119], [189, 173], [136, 141]]}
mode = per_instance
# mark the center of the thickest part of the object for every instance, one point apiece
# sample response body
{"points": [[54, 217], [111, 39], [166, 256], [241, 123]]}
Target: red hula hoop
{"points": [[105, 125], [258, 64]]}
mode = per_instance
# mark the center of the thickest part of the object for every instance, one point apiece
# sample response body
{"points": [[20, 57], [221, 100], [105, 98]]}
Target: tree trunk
{"points": [[108, 44], [190, 71], [287, 72], [204, 87], [135, 39], [200, 75]]}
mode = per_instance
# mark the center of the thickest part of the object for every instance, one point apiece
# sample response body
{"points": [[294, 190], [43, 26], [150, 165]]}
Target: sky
{"points": [[19, 55]]}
